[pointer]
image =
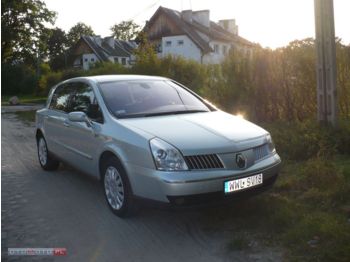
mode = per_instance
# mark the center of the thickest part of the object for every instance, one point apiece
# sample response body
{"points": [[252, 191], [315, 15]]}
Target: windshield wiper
{"points": [[174, 112]]}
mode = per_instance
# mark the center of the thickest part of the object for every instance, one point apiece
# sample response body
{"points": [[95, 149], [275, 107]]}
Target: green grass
{"points": [[309, 202], [26, 116], [307, 212], [25, 99], [239, 242]]}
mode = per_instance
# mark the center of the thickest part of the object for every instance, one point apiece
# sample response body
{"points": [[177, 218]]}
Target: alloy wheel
{"points": [[42, 149], [114, 188]]}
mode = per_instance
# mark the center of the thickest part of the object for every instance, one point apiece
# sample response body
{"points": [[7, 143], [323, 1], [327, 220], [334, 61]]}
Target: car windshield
{"points": [[144, 98]]}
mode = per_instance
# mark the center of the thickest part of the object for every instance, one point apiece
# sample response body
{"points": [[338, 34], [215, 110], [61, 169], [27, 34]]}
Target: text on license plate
{"points": [[242, 183]]}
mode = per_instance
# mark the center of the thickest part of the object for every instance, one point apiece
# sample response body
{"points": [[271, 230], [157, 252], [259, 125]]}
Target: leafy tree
{"points": [[125, 30], [57, 48], [57, 42], [22, 29], [147, 61], [77, 31]]}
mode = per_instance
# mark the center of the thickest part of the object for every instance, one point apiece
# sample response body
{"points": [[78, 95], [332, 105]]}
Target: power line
{"points": [[145, 9]]}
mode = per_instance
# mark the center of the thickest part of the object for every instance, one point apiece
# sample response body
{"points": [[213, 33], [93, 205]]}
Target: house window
{"points": [[159, 48], [85, 59], [123, 61], [168, 43], [116, 60], [216, 48], [180, 42], [224, 49], [92, 59]]}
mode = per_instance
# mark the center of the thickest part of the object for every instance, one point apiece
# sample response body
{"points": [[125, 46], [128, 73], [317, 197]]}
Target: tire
{"points": [[116, 187], [46, 161]]}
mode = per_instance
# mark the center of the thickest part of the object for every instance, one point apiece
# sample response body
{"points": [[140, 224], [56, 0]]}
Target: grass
{"points": [[25, 99], [239, 242], [307, 212], [26, 116]]}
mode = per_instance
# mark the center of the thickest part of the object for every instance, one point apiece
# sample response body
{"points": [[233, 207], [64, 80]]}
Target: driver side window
{"points": [[84, 100]]}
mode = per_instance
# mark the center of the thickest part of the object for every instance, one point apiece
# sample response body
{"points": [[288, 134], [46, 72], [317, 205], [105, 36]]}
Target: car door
{"points": [[55, 120], [83, 140]]}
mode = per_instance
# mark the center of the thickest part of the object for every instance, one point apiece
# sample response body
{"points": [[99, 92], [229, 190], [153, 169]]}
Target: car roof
{"points": [[111, 78]]}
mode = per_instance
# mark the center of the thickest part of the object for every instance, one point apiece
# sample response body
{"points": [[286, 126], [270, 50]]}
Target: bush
{"points": [[186, 72], [49, 80], [308, 139], [107, 69], [18, 79]]}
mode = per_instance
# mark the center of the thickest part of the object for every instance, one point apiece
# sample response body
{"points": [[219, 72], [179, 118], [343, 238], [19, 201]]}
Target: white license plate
{"points": [[243, 183]]}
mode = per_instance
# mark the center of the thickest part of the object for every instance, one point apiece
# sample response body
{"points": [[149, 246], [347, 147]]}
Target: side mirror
{"points": [[79, 117]]}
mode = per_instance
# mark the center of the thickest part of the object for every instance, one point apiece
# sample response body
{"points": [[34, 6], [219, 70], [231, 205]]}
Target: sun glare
{"points": [[240, 115]]}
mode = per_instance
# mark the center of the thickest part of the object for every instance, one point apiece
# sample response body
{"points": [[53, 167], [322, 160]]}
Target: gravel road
{"points": [[67, 209]]}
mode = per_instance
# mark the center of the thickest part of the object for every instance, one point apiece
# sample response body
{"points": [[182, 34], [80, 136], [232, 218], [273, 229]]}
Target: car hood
{"points": [[201, 133]]}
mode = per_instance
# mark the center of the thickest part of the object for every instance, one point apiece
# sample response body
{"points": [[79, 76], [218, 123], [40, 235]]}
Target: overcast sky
{"points": [[272, 23]]}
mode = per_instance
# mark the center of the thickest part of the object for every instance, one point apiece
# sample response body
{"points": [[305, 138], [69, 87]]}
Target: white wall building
{"points": [[180, 45], [193, 35], [91, 49]]}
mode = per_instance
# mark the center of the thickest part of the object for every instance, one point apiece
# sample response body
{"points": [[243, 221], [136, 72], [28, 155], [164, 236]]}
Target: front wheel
{"points": [[45, 160], [117, 188]]}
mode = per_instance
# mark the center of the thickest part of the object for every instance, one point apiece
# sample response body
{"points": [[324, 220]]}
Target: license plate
{"points": [[243, 183]]}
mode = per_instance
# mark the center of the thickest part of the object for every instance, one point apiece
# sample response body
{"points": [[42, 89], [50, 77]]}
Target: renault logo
{"points": [[241, 160]]}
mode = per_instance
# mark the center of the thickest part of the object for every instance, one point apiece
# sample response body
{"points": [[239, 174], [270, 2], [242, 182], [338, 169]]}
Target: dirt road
{"points": [[67, 209]]}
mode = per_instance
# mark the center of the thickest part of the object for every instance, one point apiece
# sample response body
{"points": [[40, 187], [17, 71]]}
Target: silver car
{"points": [[152, 138]]}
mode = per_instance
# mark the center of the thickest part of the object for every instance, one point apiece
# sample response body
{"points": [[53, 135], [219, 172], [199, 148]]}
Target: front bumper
{"points": [[168, 187], [220, 197]]}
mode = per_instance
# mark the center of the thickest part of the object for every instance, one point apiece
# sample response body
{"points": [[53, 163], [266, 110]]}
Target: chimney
{"points": [[110, 41], [187, 15], [229, 25], [202, 17], [97, 39]]}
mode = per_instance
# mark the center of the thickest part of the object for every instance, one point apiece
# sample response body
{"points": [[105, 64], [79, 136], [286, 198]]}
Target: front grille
{"points": [[261, 151], [203, 162]]}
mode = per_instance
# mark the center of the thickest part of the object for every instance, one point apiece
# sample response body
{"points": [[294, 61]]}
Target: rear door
{"points": [[83, 140], [56, 120]]}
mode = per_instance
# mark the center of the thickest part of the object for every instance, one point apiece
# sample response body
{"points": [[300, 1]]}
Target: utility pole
{"points": [[327, 102]]}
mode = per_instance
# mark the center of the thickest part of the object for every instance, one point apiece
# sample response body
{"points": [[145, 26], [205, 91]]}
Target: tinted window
{"points": [[84, 100], [132, 98], [61, 97]]}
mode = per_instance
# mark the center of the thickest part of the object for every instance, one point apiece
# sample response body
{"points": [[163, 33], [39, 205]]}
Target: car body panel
{"points": [[221, 132]]}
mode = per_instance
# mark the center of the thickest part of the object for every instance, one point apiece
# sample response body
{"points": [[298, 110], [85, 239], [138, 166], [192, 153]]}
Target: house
{"points": [[193, 35], [91, 49]]}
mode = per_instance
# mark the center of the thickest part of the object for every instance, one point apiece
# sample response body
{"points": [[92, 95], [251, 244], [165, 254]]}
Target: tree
{"points": [[78, 31], [22, 29], [125, 30], [57, 42], [57, 47]]}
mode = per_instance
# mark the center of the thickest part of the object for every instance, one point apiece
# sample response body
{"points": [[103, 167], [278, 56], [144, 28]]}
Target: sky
{"points": [[271, 23]]}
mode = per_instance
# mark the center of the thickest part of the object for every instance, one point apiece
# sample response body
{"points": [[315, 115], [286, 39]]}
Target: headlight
{"points": [[270, 143], [167, 157]]}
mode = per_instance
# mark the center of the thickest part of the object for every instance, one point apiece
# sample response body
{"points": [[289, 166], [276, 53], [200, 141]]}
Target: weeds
{"points": [[308, 210]]}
